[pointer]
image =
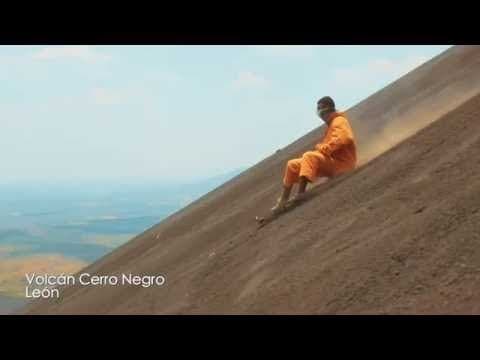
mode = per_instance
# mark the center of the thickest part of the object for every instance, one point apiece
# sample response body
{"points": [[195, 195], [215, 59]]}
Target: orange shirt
{"points": [[339, 144]]}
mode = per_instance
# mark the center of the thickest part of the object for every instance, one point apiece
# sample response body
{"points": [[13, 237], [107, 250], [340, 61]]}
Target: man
{"points": [[334, 155]]}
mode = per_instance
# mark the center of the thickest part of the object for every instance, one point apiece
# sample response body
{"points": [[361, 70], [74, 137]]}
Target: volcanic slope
{"points": [[400, 234]]}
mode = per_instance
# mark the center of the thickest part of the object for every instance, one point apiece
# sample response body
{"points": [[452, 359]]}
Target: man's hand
{"points": [[321, 148]]}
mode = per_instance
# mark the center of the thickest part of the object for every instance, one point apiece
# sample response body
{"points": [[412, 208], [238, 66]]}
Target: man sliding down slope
{"points": [[334, 155]]}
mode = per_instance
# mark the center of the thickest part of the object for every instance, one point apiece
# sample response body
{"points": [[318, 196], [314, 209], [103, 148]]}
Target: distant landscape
{"points": [[61, 228], [8, 304]]}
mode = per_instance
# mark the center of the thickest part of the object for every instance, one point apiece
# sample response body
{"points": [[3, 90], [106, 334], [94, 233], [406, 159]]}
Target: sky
{"points": [[173, 113]]}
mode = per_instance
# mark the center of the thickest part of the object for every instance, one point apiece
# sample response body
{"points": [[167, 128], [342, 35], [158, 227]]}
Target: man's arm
{"points": [[337, 138]]}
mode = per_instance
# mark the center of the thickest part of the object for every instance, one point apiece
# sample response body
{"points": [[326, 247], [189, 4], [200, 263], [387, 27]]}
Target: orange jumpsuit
{"points": [[334, 155]]}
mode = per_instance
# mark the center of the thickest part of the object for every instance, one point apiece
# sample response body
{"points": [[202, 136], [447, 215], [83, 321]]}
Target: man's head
{"points": [[325, 106]]}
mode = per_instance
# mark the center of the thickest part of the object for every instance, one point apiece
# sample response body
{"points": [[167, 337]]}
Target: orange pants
{"points": [[312, 164]]}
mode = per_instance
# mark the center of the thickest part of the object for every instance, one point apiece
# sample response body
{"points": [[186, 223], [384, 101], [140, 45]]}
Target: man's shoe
{"points": [[279, 206], [298, 198]]}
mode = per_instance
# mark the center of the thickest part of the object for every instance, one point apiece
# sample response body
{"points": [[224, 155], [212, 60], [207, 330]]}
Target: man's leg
{"points": [[312, 165], [302, 184], [302, 187], [285, 193], [290, 178]]}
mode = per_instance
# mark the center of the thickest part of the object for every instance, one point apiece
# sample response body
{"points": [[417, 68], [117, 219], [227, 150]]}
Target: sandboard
{"points": [[290, 205]]}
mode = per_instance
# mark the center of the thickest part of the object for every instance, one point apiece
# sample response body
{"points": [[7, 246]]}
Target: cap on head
{"points": [[326, 103]]}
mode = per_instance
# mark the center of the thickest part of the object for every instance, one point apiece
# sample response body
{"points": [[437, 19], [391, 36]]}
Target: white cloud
{"points": [[130, 94], [250, 80], [81, 52], [296, 51], [376, 70], [104, 96]]}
